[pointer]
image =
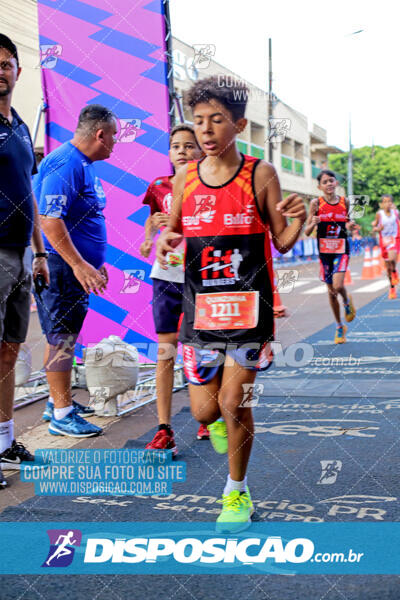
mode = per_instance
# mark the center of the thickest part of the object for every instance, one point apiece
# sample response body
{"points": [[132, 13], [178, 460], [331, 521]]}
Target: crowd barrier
{"points": [[307, 250]]}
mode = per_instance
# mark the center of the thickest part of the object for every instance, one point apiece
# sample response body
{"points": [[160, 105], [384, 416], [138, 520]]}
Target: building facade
{"points": [[298, 151]]}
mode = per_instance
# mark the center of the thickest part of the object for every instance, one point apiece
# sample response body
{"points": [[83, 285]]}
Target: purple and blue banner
{"points": [[114, 54]]}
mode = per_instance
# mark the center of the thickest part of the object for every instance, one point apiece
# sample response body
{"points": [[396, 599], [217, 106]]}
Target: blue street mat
{"points": [[330, 455]]}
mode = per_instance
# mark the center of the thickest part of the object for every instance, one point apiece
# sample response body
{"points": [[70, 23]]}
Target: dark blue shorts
{"points": [[63, 307], [201, 365], [331, 264], [167, 305]]}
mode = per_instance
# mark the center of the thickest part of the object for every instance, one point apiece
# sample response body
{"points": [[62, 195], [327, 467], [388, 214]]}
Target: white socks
{"points": [[60, 413], [231, 485], [6, 435]]}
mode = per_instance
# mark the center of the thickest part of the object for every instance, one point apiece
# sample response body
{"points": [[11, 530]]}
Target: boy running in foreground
{"points": [[167, 285], [386, 222], [330, 214], [224, 207]]}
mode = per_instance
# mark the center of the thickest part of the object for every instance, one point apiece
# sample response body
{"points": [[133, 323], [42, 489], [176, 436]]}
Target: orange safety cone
{"points": [[347, 278], [278, 308], [376, 269], [367, 271]]}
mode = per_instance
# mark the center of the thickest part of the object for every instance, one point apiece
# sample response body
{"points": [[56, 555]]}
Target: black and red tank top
{"points": [[331, 230], [228, 266]]}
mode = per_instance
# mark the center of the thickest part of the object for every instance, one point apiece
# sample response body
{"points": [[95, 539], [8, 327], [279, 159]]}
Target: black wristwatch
{"points": [[41, 255]]}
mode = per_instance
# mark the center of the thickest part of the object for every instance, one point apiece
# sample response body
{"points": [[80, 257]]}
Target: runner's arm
{"points": [[269, 197], [374, 224], [172, 234], [312, 220]]}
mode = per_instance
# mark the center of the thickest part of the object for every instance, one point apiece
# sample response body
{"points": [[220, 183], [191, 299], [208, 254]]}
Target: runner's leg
{"points": [[167, 344], [239, 420]]}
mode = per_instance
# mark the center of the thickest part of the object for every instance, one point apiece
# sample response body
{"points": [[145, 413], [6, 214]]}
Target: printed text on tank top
{"points": [[331, 229], [228, 284]]}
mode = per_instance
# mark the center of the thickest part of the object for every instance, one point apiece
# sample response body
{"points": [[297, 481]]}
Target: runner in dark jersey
{"points": [[330, 214], [225, 207]]}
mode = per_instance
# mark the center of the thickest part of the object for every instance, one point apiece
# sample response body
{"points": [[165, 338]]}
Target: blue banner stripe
{"points": [[75, 73], [121, 179], [139, 217], [123, 110], [156, 6], [157, 73], [126, 43], [81, 10], [107, 308], [145, 346], [123, 261]]}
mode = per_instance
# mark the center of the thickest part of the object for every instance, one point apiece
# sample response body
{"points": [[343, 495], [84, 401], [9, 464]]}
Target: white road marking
{"points": [[373, 287]]}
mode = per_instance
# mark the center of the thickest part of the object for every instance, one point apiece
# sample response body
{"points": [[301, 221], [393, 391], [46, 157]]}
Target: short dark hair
{"points": [[325, 172], [8, 44], [91, 117], [233, 97], [182, 127]]}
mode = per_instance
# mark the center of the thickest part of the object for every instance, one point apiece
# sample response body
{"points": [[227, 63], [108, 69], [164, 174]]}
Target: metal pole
{"points": [[270, 107], [170, 72], [35, 130], [350, 167]]}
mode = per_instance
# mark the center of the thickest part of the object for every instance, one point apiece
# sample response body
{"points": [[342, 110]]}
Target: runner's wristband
{"points": [[41, 255]]}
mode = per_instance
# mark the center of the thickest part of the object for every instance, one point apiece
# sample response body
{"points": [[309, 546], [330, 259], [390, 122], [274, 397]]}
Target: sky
{"points": [[319, 68]]}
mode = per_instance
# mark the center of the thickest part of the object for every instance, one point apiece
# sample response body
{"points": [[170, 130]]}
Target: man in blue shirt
{"points": [[71, 204], [19, 222]]}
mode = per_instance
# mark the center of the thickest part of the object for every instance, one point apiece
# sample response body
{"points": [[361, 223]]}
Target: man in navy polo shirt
{"points": [[71, 204], [19, 222]]}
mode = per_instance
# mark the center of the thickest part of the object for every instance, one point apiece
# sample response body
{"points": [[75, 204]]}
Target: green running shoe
{"points": [[237, 509], [219, 436]]}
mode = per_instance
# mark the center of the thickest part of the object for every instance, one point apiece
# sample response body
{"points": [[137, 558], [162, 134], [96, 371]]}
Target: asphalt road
{"points": [[326, 449]]}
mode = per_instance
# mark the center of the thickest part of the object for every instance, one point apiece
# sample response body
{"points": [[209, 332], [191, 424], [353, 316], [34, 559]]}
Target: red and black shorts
{"points": [[331, 264]]}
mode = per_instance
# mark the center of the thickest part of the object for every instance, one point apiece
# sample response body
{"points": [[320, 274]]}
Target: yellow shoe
{"points": [[219, 436], [340, 334], [392, 293], [349, 310]]}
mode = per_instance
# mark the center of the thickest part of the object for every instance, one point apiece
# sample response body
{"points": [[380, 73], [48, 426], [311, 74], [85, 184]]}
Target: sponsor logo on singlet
{"points": [[166, 203], [204, 210], [220, 267], [245, 218]]}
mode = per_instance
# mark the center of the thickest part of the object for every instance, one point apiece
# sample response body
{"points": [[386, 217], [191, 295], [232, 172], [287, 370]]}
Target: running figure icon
{"points": [[62, 546]]}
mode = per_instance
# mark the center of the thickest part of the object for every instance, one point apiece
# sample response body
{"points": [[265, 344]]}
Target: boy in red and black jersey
{"points": [[330, 215], [225, 207]]}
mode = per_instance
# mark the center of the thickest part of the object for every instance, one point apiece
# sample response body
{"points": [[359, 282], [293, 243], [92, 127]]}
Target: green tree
{"points": [[376, 171]]}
